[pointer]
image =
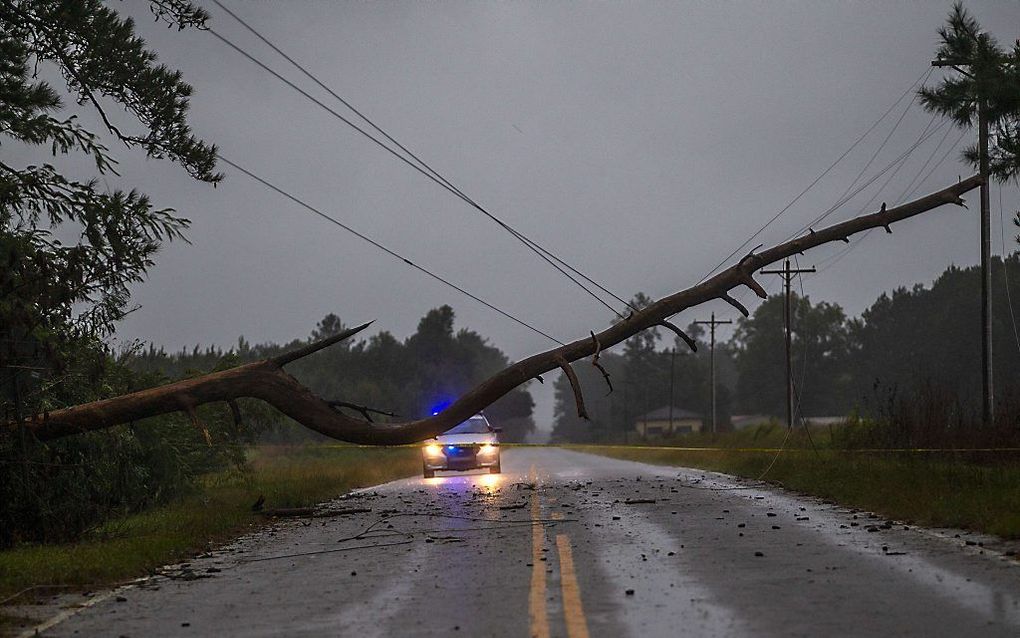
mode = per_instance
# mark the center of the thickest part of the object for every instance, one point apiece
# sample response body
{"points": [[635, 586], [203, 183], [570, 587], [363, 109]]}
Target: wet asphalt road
{"points": [[460, 555]]}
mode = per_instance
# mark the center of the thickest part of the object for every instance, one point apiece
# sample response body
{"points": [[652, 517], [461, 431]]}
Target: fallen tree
{"points": [[266, 380]]}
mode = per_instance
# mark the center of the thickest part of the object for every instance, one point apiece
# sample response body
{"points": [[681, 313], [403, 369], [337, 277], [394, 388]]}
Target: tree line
{"points": [[59, 489], [912, 338]]}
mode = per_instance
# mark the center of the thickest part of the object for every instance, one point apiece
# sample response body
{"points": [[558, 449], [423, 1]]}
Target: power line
{"points": [[1005, 270], [383, 248], [920, 78], [424, 168], [903, 162], [941, 160], [885, 141], [903, 195], [894, 165], [836, 258]]}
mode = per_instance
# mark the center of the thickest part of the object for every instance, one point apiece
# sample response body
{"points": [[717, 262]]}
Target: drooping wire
{"points": [[903, 195], [920, 78], [425, 169], [383, 248], [803, 366], [885, 141], [444, 182], [832, 260], [893, 166], [942, 159], [922, 138], [1005, 271]]}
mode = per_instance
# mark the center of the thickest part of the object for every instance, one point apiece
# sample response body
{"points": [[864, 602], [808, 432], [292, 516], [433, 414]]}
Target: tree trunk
{"points": [[266, 380]]}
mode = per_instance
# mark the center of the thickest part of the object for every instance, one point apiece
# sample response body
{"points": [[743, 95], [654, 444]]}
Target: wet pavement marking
{"points": [[536, 601], [45, 625], [573, 610]]}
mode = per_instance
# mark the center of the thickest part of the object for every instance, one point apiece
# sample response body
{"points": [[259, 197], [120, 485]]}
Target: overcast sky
{"points": [[642, 141]]}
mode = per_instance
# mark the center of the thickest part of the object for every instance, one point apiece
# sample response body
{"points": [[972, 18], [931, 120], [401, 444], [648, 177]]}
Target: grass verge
{"points": [[936, 492], [136, 544]]}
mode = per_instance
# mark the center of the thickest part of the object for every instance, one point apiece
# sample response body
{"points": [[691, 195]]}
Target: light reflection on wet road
{"points": [[552, 548]]}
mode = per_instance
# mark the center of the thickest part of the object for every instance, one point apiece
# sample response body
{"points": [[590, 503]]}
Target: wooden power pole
{"points": [[672, 365], [788, 275], [987, 386], [712, 323]]}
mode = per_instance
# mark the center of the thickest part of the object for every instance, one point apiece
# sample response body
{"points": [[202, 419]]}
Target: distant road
{"points": [[458, 555]]}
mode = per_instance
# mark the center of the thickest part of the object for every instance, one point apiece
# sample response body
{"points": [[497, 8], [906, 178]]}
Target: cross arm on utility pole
{"points": [[712, 323], [954, 63], [788, 274]]}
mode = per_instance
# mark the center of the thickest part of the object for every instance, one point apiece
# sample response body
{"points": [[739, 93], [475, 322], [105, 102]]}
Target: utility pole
{"points": [[987, 387], [672, 365], [712, 323], [788, 275]]}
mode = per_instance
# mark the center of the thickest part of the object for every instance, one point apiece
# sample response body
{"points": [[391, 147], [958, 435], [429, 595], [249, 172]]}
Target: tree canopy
{"points": [[908, 340], [70, 248], [985, 73]]}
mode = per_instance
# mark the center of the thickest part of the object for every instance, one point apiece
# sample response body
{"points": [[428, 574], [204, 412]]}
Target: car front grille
{"points": [[460, 451]]}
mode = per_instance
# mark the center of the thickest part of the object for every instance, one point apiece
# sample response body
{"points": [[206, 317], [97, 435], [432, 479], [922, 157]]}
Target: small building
{"points": [[744, 421], [656, 424]]}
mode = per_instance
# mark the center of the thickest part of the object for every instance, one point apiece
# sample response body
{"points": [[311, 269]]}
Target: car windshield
{"points": [[474, 425]]}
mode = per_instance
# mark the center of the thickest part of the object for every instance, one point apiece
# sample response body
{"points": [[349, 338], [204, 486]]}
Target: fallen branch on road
{"points": [[266, 380]]}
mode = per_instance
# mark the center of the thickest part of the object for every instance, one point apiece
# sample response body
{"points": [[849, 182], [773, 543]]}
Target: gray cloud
{"points": [[643, 141]]}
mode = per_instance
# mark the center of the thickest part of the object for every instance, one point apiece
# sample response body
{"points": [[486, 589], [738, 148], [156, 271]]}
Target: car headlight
{"points": [[433, 450], [487, 449]]}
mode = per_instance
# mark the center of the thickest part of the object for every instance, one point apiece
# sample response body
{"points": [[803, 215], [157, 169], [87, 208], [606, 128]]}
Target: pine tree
{"points": [[56, 294], [992, 74]]}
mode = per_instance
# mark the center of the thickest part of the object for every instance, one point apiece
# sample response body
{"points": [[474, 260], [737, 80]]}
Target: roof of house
{"points": [[662, 414]]}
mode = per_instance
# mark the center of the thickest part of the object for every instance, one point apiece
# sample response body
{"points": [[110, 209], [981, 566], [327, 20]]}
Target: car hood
{"points": [[464, 439]]}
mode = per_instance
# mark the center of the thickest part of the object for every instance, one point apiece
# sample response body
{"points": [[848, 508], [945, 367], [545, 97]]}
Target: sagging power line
{"points": [[558, 263], [920, 78], [383, 248]]}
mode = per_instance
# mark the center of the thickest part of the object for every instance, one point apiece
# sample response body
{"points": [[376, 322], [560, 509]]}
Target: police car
{"points": [[471, 445]]}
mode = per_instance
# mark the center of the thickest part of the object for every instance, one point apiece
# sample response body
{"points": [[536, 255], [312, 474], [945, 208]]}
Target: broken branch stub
{"points": [[267, 381], [691, 343], [598, 366], [575, 385]]}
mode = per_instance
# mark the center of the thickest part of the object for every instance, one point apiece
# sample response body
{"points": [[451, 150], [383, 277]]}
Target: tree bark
{"points": [[266, 380]]}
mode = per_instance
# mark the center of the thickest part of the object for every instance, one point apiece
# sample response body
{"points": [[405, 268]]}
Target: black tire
{"points": [[427, 473], [495, 469]]}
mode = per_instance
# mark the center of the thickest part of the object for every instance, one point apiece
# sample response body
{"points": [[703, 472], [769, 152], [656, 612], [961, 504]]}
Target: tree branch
{"points": [[267, 381], [598, 366], [691, 343], [575, 385]]}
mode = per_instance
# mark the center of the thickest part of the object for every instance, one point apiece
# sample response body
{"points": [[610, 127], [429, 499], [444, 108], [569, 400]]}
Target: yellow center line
{"points": [[536, 601], [573, 611]]}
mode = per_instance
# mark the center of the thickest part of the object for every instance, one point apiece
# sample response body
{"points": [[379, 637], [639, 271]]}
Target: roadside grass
{"points": [[134, 545], [944, 491]]}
